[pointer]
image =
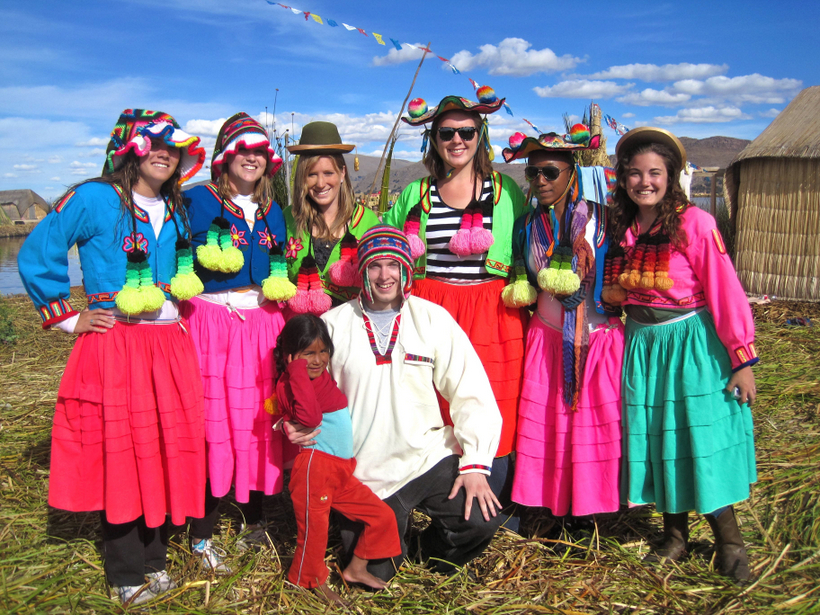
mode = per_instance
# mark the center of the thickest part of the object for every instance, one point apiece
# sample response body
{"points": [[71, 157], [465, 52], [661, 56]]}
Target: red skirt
{"points": [[128, 435], [497, 334]]}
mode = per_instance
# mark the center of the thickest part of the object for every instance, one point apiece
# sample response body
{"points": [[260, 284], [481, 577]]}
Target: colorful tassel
{"points": [[480, 238], [185, 284], [412, 228], [310, 297], [232, 257], [209, 254], [559, 278], [612, 292], [520, 293], [129, 300], [460, 243], [345, 271], [277, 286]]}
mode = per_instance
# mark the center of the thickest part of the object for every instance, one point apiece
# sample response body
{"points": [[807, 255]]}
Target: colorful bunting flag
{"points": [[316, 18], [507, 108], [454, 69], [534, 127], [378, 38], [332, 23], [349, 28], [395, 44], [474, 84]]}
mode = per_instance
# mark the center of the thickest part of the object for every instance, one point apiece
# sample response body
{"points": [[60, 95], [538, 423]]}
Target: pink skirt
{"points": [[128, 427], [238, 371], [569, 461]]}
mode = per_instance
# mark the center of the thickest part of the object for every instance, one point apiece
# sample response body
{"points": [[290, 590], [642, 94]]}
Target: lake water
{"points": [[10, 282]]}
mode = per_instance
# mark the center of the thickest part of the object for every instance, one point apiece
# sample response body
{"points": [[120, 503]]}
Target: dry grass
{"points": [[50, 560]]}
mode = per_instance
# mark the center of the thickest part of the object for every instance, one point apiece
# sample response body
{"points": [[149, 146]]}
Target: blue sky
{"points": [[67, 69]]}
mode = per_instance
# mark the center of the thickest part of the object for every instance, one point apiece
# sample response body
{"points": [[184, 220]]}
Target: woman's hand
{"points": [[476, 486], [299, 434], [94, 321], [744, 380]]}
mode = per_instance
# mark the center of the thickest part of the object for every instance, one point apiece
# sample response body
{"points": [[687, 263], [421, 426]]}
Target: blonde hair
{"points": [[305, 213]]}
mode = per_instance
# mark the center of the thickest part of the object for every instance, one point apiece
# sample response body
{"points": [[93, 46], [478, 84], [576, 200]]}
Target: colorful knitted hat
{"points": [[647, 134], [320, 138], [418, 114], [242, 129], [136, 127], [576, 140], [382, 241]]}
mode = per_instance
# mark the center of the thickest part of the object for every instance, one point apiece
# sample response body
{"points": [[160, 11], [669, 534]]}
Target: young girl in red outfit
{"points": [[322, 476]]}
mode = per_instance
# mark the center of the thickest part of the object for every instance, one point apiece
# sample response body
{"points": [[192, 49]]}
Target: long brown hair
{"points": [[482, 167], [624, 210], [305, 214], [261, 191]]}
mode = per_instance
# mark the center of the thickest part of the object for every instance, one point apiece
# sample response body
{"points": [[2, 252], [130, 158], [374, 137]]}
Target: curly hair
{"points": [[674, 202], [297, 334], [482, 167], [305, 214]]}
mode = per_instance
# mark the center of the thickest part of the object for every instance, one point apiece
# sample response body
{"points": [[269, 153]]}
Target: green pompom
{"points": [[186, 285], [566, 282], [152, 297], [278, 288], [225, 240], [130, 301], [209, 256], [232, 260], [547, 277], [519, 294]]}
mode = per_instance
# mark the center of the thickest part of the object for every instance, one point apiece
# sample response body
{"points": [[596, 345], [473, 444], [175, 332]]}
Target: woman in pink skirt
{"points": [[237, 231], [569, 443], [128, 427]]}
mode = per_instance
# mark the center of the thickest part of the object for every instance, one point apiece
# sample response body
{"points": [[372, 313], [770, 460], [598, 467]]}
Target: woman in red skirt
{"points": [[128, 428], [459, 221]]}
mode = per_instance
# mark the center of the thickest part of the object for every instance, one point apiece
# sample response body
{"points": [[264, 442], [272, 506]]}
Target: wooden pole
{"points": [[713, 196], [287, 167], [396, 124]]}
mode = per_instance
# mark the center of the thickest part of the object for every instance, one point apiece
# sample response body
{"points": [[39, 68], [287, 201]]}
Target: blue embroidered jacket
{"points": [[92, 217], [203, 203]]}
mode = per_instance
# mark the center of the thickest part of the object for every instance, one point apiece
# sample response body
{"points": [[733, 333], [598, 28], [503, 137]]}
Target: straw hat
{"points": [[647, 134], [578, 139], [320, 138]]}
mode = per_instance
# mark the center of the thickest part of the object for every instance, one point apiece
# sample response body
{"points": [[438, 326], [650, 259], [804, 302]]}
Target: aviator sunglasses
{"points": [[466, 133], [550, 173]]}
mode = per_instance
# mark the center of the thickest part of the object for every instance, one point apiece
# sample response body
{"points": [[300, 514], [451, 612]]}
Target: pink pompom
{"points": [[344, 273], [460, 243], [417, 248], [300, 302], [516, 139], [480, 240], [320, 302], [417, 107]]}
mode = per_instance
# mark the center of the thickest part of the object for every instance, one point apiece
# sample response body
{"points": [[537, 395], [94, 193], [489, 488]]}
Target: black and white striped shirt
{"points": [[442, 224]]}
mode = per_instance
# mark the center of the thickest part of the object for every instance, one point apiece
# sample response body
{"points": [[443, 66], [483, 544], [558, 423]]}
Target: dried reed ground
{"points": [[50, 562]]}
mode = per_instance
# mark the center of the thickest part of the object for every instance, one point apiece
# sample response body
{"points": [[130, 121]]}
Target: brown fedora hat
{"points": [[320, 138]]}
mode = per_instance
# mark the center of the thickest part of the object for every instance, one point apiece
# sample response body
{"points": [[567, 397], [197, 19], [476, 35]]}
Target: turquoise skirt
{"points": [[688, 444]]}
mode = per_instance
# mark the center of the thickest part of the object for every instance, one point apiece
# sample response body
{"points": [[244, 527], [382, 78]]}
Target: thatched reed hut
{"points": [[772, 189], [22, 206]]}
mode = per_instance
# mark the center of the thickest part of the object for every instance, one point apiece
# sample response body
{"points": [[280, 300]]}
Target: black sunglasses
{"points": [[447, 133], [550, 173]]}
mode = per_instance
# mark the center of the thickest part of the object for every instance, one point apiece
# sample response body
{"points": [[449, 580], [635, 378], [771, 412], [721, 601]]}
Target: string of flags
{"points": [[610, 121]]}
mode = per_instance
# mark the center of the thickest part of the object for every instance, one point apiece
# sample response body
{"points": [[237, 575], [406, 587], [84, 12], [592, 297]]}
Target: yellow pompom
{"points": [[662, 281], [648, 280], [567, 282], [271, 405], [232, 260], [152, 297], [278, 289], [186, 285], [634, 279], [519, 294], [617, 295], [546, 278], [130, 301], [209, 256], [623, 279]]}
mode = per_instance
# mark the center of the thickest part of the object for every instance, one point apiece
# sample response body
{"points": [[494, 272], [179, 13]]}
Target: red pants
{"points": [[318, 483]]}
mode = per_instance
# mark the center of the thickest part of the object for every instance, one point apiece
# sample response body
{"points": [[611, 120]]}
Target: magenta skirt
{"points": [[235, 350], [569, 461]]}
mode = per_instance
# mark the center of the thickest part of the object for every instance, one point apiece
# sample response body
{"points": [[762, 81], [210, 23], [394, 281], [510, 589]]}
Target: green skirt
{"points": [[688, 444]]}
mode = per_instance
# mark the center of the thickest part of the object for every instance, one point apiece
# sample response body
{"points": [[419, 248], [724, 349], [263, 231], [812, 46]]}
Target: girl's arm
{"points": [[300, 395]]}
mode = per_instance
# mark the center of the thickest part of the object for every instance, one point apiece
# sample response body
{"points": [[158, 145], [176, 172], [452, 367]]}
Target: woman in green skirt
{"points": [[688, 382]]}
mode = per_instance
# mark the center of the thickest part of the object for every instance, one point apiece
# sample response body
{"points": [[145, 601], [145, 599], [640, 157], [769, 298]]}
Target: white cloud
{"points": [[53, 179], [754, 88], [583, 88], [704, 115], [10, 175], [650, 97], [55, 160], [513, 56], [667, 72], [26, 167], [394, 56], [627, 114], [202, 128], [92, 153], [770, 113], [93, 142]]}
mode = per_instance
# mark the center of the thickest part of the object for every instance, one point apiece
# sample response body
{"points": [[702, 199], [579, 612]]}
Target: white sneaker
{"points": [[253, 537], [160, 582], [134, 594], [211, 558]]}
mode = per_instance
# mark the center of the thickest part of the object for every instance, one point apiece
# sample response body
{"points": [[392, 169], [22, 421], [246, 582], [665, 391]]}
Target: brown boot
{"points": [[730, 554], [675, 536]]}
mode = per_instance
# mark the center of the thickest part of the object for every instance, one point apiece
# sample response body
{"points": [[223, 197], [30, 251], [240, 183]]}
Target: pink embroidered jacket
{"points": [[705, 276]]}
